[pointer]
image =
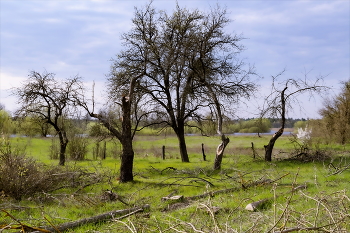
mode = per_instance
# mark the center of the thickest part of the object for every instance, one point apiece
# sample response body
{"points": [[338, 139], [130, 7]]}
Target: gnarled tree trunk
{"points": [[127, 157], [180, 133], [63, 145], [269, 147], [220, 152]]}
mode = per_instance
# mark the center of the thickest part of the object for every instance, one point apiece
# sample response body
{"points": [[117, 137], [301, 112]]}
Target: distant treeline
{"points": [[33, 127], [247, 125], [257, 125], [276, 123]]}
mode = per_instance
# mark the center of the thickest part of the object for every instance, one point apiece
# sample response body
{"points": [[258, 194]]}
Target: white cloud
{"points": [[52, 20], [328, 7], [262, 17], [8, 81]]}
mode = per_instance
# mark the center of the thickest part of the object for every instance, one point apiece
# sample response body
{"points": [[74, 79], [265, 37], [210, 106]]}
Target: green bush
{"points": [[6, 125], [77, 148], [243, 131], [95, 129], [253, 129]]}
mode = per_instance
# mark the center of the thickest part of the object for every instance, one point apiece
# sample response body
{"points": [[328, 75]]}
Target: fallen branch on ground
{"points": [[338, 171], [256, 183], [309, 228], [95, 219], [257, 204]]}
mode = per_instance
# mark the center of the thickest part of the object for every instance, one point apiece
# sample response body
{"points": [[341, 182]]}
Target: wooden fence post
{"points": [[204, 157]]}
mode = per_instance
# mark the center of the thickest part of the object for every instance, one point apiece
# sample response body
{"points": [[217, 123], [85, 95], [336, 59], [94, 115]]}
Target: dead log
{"points": [[210, 209], [211, 194], [96, 219], [299, 187], [173, 198], [256, 205]]}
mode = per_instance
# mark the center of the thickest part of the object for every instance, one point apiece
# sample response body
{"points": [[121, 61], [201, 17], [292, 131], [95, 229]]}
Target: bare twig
{"points": [[287, 205], [309, 228]]}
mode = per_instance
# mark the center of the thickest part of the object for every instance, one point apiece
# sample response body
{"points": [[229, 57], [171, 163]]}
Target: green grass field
{"points": [[322, 206]]}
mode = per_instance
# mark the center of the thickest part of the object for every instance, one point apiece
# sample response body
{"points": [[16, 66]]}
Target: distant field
{"points": [[152, 145]]}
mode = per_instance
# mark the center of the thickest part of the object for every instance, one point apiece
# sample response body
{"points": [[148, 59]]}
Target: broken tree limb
{"points": [[310, 228], [20, 225], [256, 183], [96, 219]]}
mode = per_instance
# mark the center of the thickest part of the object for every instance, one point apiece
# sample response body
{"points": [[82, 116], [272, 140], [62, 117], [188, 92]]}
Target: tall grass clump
{"points": [[100, 150], [54, 149]]}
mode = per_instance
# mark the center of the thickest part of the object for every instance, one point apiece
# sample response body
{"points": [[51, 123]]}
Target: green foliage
{"points": [[300, 124], [6, 124], [95, 129], [148, 131], [54, 151], [33, 126], [336, 116], [253, 126], [77, 147], [100, 150], [209, 125], [74, 127]]}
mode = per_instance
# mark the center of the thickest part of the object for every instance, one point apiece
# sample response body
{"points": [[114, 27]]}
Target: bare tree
{"points": [[224, 140], [50, 100], [122, 93], [185, 52], [283, 97]]}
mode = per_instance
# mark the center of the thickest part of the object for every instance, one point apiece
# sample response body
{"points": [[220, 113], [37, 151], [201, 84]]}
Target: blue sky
{"points": [[79, 37]]}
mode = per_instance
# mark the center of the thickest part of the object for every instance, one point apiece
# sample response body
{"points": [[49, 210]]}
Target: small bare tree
{"points": [[122, 88], [283, 97], [51, 100]]}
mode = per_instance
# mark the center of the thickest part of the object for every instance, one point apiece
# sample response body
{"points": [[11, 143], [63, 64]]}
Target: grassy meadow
{"points": [[320, 203]]}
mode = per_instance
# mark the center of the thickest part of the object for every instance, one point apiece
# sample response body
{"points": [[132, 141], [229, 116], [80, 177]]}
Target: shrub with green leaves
{"points": [[22, 176], [77, 148], [6, 124]]}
